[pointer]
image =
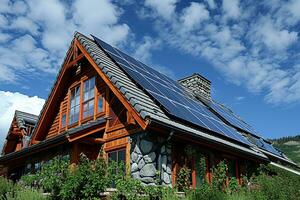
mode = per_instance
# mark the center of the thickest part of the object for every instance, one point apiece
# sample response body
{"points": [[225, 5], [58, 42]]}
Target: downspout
{"points": [[159, 156]]}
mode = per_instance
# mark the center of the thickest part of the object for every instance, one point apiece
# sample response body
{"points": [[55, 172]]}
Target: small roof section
{"points": [[23, 118]]}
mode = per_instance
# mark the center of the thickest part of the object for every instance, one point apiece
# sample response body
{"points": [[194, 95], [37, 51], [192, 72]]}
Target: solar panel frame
{"points": [[171, 95]]}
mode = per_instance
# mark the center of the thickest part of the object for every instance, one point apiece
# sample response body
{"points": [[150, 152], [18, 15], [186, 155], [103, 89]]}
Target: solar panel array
{"points": [[261, 143], [234, 120], [170, 94]]}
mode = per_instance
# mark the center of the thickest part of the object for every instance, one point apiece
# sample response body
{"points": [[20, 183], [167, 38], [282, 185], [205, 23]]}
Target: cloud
{"points": [[252, 45], [194, 15], [35, 35], [231, 9], [164, 9], [11, 101]]}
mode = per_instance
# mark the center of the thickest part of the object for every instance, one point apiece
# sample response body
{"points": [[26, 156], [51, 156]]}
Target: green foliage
{"points": [[219, 175], [86, 181], [183, 179], [6, 187], [10, 191], [233, 186], [290, 146]]}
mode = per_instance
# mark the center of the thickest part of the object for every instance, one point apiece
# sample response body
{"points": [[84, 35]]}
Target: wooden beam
{"points": [[127, 105], [92, 140], [73, 62], [82, 135]]}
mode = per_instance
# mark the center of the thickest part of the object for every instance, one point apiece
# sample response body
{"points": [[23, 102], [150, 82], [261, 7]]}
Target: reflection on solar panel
{"points": [[234, 120], [170, 94], [261, 143]]}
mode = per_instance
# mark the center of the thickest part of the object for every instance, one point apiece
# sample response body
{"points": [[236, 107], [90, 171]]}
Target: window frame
{"points": [[85, 118], [70, 108]]}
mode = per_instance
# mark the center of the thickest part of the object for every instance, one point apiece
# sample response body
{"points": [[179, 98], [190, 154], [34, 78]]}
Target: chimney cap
{"points": [[194, 75]]}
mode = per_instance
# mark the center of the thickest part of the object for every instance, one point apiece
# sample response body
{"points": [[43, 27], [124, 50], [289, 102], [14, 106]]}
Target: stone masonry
{"points": [[151, 159]]}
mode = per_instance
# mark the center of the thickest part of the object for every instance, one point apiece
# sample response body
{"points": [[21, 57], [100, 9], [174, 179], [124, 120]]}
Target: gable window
{"points": [[100, 104], [63, 120], [74, 105], [88, 97]]}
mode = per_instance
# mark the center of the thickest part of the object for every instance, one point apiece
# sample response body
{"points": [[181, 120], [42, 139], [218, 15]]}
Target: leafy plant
{"points": [[219, 175], [183, 179]]}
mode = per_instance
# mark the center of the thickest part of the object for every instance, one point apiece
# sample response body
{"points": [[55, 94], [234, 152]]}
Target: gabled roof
{"points": [[24, 118], [147, 108]]}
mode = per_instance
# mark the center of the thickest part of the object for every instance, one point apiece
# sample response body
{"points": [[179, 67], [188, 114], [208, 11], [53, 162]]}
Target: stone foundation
{"points": [[151, 159]]}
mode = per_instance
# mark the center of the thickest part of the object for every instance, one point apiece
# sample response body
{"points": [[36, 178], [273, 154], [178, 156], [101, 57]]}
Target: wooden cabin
{"points": [[105, 100]]}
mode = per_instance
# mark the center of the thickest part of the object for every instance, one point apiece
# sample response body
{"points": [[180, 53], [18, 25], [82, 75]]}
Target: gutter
{"points": [[214, 139], [285, 168]]}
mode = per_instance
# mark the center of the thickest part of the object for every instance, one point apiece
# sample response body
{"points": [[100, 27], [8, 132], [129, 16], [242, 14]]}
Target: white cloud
{"points": [[143, 49], [211, 4], [11, 101], [164, 9], [194, 15], [273, 37], [43, 30], [231, 9], [253, 45]]}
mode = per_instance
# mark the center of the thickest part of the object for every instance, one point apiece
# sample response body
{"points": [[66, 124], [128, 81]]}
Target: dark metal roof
{"points": [[23, 118]]}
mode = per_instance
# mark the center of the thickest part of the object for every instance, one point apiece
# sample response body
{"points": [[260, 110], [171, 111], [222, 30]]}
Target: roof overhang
{"points": [[52, 142], [246, 150], [285, 168]]}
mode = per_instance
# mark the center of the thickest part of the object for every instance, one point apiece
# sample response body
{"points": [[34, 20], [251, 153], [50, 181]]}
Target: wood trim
{"points": [[137, 117], [127, 157], [74, 61], [80, 102], [115, 148], [194, 184], [80, 135], [91, 140], [237, 171]]}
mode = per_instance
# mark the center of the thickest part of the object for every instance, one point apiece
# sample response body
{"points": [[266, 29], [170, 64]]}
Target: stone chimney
{"points": [[198, 84]]}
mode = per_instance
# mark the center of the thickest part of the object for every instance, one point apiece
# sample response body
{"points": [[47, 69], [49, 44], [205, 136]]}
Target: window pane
{"points": [[91, 107], [100, 104], [112, 156], [231, 168], [91, 93], [121, 155], [63, 120]]}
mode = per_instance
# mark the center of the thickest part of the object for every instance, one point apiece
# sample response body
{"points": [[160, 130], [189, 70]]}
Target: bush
{"points": [[219, 175], [10, 191], [183, 179]]}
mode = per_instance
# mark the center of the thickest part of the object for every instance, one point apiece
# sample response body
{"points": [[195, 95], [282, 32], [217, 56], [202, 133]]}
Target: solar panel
{"points": [[234, 120], [170, 94], [261, 143]]}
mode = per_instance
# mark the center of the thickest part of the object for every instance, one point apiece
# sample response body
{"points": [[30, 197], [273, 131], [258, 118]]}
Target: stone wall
{"points": [[151, 159]]}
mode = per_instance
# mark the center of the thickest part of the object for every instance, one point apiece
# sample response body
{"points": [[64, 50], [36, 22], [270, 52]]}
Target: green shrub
{"points": [[219, 175], [183, 179], [10, 191], [6, 187], [87, 181]]}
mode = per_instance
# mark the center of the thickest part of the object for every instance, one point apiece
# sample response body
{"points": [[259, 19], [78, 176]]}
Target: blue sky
{"points": [[249, 50]]}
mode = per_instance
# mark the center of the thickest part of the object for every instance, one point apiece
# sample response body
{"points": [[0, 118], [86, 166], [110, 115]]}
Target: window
{"points": [[117, 156], [88, 97], [63, 120], [74, 105], [100, 104], [231, 168]]}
